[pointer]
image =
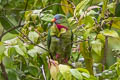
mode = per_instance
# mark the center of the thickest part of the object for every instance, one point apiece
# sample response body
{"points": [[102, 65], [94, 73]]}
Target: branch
{"points": [[56, 4], [75, 17], [9, 30], [43, 72], [105, 52], [4, 71]]}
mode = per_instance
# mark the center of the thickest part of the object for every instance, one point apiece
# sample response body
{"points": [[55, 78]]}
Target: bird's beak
{"points": [[53, 20]]}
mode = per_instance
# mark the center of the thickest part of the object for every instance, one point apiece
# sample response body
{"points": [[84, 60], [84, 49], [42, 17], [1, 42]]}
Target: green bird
{"points": [[60, 39]]}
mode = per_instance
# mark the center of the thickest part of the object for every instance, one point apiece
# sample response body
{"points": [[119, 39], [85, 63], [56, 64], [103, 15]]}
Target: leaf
{"points": [[33, 70], [104, 7], [65, 8], [111, 7], [83, 70], [54, 69], [27, 15], [2, 48], [76, 74], [101, 37], [82, 5], [19, 50], [85, 75], [110, 33], [12, 75], [33, 52], [6, 23], [33, 36], [44, 2], [115, 22], [65, 71], [47, 17], [8, 36], [8, 62], [97, 47]]}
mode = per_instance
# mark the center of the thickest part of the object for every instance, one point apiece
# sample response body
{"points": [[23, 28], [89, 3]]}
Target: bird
{"points": [[60, 37]]}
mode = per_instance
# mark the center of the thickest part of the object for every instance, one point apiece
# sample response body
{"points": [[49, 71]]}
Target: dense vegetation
{"points": [[24, 26]]}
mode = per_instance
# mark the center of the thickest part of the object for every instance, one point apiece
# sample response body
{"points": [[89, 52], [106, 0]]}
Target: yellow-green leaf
{"points": [[76, 74], [97, 47], [65, 8], [110, 33], [65, 71]]}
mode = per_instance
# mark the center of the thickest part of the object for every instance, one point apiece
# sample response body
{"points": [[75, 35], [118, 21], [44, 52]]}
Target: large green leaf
{"points": [[19, 50], [8, 62], [33, 36], [65, 71], [97, 47], [6, 23], [47, 17], [12, 75], [76, 74], [115, 22], [111, 7], [110, 33], [33, 70], [8, 36], [82, 6]]}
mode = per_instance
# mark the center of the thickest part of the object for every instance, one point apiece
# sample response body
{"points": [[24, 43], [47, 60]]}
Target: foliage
{"points": [[95, 53]]}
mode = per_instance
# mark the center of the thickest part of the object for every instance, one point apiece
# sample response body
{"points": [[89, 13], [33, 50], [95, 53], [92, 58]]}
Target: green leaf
{"points": [[19, 50], [97, 47], [111, 7], [33, 36], [8, 62], [33, 70], [110, 33], [83, 70], [115, 22], [33, 52], [82, 5], [6, 23], [47, 17], [76, 74], [2, 48], [8, 36], [12, 75], [104, 7], [85, 75], [65, 71], [64, 8]]}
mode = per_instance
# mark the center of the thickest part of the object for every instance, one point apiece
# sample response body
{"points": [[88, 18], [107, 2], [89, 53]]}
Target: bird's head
{"points": [[59, 19]]}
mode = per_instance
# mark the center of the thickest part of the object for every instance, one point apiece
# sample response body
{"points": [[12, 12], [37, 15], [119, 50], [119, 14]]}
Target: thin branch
{"points": [[9, 30], [4, 71], [75, 17], [43, 72], [105, 52], [31, 42]]}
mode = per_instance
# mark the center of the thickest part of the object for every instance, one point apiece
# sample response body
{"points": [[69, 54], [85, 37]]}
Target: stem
{"points": [[88, 57], [105, 52], [4, 73], [43, 72]]}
